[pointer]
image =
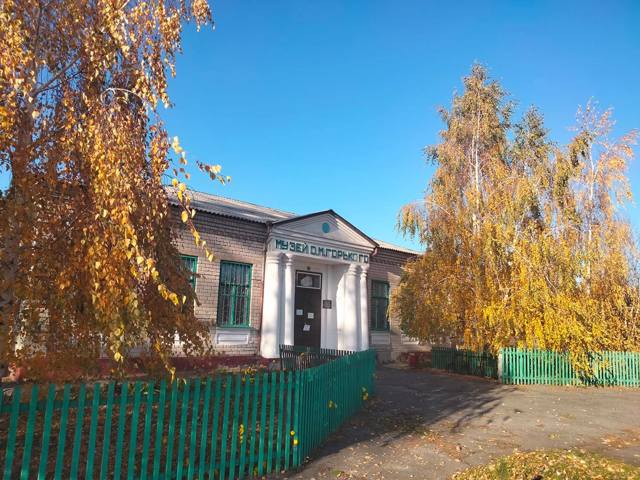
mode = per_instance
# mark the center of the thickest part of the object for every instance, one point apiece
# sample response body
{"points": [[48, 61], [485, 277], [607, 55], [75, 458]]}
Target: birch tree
{"points": [[86, 254], [525, 241]]}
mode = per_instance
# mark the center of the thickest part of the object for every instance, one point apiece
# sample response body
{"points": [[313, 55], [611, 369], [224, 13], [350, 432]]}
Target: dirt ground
{"points": [[428, 425]]}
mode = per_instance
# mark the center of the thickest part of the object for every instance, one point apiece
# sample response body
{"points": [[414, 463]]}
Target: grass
{"points": [[548, 465]]}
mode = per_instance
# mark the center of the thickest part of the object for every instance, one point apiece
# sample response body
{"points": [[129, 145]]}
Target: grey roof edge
{"points": [[252, 212], [396, 248], [230, 207]]}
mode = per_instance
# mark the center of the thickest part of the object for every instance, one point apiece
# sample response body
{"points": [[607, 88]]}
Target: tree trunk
{"points": [[15, 204], [593, 174]]}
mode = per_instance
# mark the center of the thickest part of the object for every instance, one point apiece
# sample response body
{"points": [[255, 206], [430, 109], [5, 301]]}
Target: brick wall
{"points": [[233, 240], [386, 265], [245, 241]]}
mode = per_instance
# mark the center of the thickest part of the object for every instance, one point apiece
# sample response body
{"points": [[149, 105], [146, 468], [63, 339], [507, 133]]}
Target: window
{"points": [[234, 294], [191, 264], [308, 280], [379, 305]]}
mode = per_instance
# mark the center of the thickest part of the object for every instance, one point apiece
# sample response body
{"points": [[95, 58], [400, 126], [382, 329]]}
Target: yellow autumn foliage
{"points": [[86, 254], [525, 241]]}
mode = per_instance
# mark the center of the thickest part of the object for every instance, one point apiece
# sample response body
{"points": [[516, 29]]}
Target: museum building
{"points": [[279, 278]]}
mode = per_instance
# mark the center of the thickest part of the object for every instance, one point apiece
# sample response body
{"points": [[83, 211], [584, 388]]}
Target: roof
{"points": [[331, 212], [397, 248], [229, 207]]}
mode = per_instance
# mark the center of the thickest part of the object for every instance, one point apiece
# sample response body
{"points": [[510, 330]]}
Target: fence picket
{"points": [[261, 424], [253, 431], [194, 430], [225, 426], [106, 439], [146, 434], [46, 432], [184, 411], [234, 430], [122, 415], [77, 438], [135, 414], [62, 436], [95, 406], [157, 449], [175, 391], [296, 420], [11, 437], [205, 429], [245, 424], [214, 428], [288, 426], [272, 412], [28, 437], [280, 424], [302, 427]]}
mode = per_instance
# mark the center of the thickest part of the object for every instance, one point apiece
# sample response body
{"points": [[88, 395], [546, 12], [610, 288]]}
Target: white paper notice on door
{"points": [[310, 315], [299, 311], [306, 327]]}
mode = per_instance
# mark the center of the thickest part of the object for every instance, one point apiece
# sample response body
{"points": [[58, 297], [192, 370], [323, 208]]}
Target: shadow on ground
{"points": [[408, 402], [406, 405], [424, 424]]}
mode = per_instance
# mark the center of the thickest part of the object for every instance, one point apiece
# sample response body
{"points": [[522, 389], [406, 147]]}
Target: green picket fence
{"points": [[230, 426], [481, 364], [331, 394], [555, 368], [298, 357]]}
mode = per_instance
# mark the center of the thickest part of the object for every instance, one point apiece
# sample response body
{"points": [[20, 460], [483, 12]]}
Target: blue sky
{"points": [[312, 105], [316, 105]]}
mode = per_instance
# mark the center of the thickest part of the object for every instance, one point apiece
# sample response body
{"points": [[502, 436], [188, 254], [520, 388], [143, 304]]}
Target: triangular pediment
{"points": [[327, 227]]}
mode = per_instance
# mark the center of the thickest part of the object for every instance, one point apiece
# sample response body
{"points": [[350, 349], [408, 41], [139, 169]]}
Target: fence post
{"points": [[500, 353]]}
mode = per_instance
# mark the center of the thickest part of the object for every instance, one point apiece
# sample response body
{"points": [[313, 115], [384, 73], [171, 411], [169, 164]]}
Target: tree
{"points": [[524, 241], [87, 259]]}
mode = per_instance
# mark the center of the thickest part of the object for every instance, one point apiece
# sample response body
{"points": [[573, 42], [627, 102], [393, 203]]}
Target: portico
{"points": [[315, 284]]}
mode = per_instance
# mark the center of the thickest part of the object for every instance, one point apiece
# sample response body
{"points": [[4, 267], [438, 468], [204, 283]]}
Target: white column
{"points": [[351, 324], [364, 309], [330, 333], [288, 294], [270, 330], [358, 340]]}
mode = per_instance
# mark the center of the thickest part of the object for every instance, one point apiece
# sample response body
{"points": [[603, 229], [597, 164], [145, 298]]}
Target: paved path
{"points": [[428, 425]]}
